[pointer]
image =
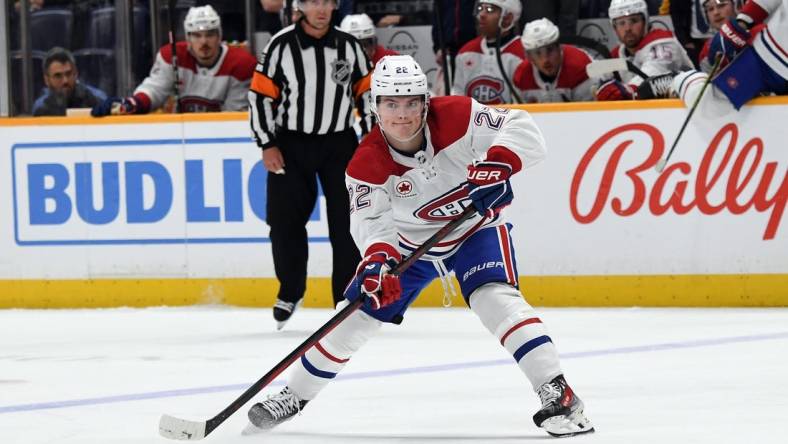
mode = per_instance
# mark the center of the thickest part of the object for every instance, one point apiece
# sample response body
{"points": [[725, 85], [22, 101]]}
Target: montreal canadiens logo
{"points": [[445, 207], [487, 90], [404, 188]]}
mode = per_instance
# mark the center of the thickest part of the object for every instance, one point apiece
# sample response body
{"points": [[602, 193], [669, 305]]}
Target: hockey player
{"points": [[717, 13], [759, 67], [362, 28], [552, 72], [212, 76], [424, 162], [654, 51], [477, 72]]}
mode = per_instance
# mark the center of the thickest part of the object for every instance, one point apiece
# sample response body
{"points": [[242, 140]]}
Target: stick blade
{"points": [[601, 68], [181, 429], [660, 165]]}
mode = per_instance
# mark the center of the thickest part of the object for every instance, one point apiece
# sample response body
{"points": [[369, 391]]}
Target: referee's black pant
{"points": [[291, 198]]}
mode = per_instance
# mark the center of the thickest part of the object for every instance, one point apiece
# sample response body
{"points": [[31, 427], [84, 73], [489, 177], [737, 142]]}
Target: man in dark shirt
{"points": [[63, 88]]}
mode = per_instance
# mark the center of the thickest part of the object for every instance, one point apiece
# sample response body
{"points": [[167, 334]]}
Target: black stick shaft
{"points": [[214, 422], [694, 107], [176, 84]]}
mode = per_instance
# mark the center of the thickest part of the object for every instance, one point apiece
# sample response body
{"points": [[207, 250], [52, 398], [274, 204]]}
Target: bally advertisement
{"points": [[170, 210]]}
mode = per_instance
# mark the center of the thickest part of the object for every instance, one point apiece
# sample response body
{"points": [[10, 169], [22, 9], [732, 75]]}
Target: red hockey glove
{"points": [[374, 283], [615, 90]]}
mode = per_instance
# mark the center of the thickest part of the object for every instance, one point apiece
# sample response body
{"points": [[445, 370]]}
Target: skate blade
{"points": [[280, 324], [566, 426]]}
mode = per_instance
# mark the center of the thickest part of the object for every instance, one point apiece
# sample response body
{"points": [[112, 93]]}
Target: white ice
{"points": [[646, 376]]}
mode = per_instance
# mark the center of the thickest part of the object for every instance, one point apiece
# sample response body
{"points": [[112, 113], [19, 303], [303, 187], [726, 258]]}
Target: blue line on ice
{"points": [[391, 372]]}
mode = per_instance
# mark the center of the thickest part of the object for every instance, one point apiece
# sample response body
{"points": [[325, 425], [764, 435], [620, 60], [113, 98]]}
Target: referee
{"points": [[306, 85]]}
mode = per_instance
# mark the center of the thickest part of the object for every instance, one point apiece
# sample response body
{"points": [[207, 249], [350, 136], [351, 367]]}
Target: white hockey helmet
{"points": [[202, 18], [623, 8], [514, 7], [299, 4], [539, 33], [358, 25]]}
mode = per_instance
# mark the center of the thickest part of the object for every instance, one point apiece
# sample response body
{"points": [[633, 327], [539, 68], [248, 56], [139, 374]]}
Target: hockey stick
{"points": [[662, 162], [601, 68], [515, 96], [182, 429], [177, 83]]}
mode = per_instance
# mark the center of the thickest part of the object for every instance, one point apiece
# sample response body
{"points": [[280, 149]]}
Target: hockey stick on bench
{"points": [[601, 68], [182, 429]]}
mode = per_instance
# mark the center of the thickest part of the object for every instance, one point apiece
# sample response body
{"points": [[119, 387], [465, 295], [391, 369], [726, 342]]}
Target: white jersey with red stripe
{"points": [[570, 85], [398, 201], [657, 53], [771, 43], [221, 87], [478, 75]]}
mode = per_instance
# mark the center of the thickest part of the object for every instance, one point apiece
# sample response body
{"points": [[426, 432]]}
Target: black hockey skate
{"points": [[283, 310], [561, 414], [273, 411], [658, 87]]}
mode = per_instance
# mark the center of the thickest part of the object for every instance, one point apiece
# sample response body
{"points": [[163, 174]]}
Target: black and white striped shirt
{"points": [[309, 85]]}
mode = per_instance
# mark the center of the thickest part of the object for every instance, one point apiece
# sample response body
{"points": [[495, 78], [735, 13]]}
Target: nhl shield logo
{"points": [[340, 72]]}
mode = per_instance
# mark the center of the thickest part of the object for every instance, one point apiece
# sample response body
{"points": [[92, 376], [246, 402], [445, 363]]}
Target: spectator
{"points": [[552, 72], [656, 52], [211, 75], [480, 75], [361, 27], [304, 139], [562, 12], [717, 12], [63, 88]]}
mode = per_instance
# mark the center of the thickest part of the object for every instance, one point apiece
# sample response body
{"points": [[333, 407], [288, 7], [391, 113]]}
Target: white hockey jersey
{"points": [[771, 43], [221, 87], [478, 75], [570, 85], [658, 53], [398, 201]]}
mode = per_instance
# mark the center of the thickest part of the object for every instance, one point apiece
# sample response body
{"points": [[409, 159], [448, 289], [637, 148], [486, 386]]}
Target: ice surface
{"points": [[646, 376]]}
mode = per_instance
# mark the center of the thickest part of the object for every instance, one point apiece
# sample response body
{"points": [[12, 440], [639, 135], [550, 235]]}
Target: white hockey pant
{"points": [[321, 363], [505, 313]]}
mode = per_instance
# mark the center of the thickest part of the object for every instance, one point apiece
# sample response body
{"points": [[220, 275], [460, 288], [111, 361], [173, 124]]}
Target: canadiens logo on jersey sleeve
{"points": [[405, 188], [487, 90], [445, 207]]}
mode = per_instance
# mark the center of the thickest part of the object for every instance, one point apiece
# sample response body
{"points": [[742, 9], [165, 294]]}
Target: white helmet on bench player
{"points": [[507, 6], [623, 8], [202, 18], [359, 26], [539, 33]]}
